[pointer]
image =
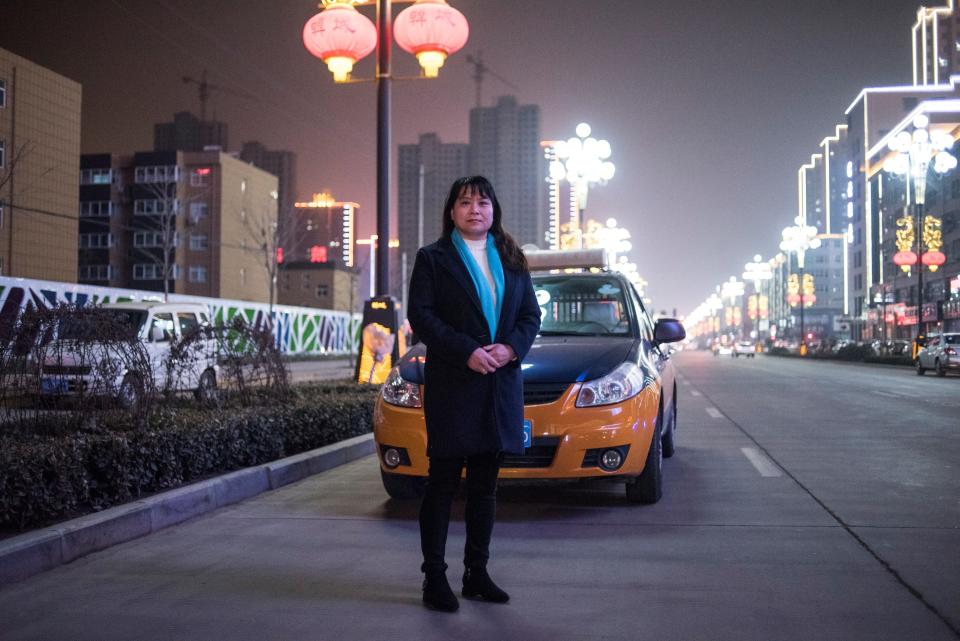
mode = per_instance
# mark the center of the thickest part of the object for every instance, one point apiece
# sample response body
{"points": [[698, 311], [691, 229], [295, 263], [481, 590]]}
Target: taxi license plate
{"points": [[527, 433]]}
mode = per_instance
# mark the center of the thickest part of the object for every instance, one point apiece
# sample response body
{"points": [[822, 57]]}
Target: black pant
{"points": [[481, 507]]}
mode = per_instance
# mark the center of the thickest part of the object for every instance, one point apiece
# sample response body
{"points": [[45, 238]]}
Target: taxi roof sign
{"points": [[545, 260]]}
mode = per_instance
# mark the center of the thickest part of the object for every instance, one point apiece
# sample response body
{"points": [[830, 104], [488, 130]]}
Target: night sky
{"points": [[710, 106]]}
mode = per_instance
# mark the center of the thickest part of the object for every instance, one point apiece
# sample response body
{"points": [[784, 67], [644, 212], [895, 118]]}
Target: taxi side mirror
{"points": [[668, 330]]}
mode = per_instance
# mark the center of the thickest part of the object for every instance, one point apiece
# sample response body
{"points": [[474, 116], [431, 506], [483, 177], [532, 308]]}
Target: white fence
{"points": [[297, 330]]}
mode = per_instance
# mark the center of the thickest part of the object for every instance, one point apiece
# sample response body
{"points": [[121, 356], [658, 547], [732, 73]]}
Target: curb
{"points": [[28, 554]]}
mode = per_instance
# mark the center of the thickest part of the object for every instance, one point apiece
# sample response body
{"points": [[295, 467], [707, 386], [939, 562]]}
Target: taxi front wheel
{"points": [[648, 487], [403, 486]]}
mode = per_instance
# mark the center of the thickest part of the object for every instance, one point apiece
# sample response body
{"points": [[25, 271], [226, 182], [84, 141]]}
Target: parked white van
{"points": [[75, 364]]}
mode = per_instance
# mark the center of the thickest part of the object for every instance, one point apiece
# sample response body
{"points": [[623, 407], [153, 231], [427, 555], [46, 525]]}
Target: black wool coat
{"points": [[467, 412]]}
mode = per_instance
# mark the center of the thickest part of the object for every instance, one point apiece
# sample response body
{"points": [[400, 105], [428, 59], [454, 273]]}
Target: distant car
{"points": [[939, 353], [744, 348], [722, 350], [78, 364]]}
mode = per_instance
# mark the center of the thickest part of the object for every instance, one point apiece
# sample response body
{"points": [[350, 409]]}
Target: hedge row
{"points": [[46, 478]]}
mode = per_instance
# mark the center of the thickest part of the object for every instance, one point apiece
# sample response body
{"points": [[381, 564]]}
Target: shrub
{"points": [[55, 475]]}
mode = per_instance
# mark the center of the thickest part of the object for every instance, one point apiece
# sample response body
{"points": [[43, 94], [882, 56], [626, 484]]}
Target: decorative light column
{"points": [[340, 36], [757, 271], [581, 161], [732, 289], [912, 156], [798, 239]]}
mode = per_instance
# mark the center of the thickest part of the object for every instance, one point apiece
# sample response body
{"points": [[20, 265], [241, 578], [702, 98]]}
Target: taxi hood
{"points": [[552, 359]]}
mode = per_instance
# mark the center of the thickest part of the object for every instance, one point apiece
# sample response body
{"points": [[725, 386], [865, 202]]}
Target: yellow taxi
{"points": [[599, 393]]}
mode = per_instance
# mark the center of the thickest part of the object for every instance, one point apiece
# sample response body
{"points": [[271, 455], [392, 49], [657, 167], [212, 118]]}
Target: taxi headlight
{"points": [[398, 391], [622, 383]]}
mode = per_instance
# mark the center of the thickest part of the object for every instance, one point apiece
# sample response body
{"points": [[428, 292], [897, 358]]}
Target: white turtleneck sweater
{"points": [[479, 250]]}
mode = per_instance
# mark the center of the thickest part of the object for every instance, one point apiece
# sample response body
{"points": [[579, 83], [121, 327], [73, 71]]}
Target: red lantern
{"points": [[809, 300], [933, 260], [793, 299], [431, 30], [904, 259], [340, 35]]}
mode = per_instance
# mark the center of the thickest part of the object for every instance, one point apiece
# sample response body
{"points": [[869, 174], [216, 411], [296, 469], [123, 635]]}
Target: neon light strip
{"points": [[913, 45], [900, 89], [946, 106]]}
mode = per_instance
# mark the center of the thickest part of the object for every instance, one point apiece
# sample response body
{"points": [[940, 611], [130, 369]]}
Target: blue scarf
{"points": [[491, 312]]}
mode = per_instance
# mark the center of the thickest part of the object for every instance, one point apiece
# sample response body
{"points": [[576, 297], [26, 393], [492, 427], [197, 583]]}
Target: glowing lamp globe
{"points": [[904, 259], [431, 30], [933, 259], [340, 36]]}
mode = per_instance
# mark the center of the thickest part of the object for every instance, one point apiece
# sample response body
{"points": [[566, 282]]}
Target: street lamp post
{"points": [[732, 289], [757, 271], [912, 156], [581, 161], [798, 239], [340, 36]]}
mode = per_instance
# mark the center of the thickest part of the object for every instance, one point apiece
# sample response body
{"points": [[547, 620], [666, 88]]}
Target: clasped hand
{"points": [[489, 358]]}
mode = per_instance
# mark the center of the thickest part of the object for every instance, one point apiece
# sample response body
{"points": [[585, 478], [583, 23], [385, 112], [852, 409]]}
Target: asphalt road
{"points": [[807, 500]]}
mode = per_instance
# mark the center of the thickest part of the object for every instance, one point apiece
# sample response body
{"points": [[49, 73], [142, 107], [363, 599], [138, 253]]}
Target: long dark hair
{"points": [[510, 253]]}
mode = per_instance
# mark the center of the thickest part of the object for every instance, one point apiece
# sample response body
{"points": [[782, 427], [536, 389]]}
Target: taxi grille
{"points": [[543, 393], [540, 454]]}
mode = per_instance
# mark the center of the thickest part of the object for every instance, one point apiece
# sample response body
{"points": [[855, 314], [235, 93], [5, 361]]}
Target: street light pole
{"points": [[798, 239], [803, 332], [383, 80], [912, 157]]}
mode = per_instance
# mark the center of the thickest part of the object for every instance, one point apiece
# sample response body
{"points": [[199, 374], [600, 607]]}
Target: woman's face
{"points": [[472, 214]]}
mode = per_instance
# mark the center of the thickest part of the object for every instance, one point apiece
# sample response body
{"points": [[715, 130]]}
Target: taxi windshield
{"points": [[577, 305]]}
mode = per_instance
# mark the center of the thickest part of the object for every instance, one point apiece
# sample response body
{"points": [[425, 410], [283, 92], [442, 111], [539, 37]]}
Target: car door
{"points": [[160, 336], [929, 352], [195, 355]]}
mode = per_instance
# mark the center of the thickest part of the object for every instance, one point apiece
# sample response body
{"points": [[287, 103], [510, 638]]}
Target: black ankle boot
{"points": [[478, 584], [437, 594]]}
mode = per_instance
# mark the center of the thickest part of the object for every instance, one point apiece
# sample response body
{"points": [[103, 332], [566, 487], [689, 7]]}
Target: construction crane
{"points": [[479, 68], [205, 88]]}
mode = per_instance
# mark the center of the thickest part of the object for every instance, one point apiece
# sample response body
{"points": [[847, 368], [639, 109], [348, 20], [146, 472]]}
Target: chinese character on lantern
{"points": [[318, 254]]}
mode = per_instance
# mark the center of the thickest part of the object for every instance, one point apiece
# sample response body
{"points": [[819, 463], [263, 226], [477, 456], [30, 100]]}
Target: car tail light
{"points": [[950, 351]]}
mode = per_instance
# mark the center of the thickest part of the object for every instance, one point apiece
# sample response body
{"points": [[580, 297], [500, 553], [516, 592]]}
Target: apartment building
{"points": [[39, 162], [202, 221]]}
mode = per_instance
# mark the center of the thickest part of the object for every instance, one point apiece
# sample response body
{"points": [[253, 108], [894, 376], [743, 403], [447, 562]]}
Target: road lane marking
{"points": [[694, 392], [714, 412], [764, 465], [889, 394]]}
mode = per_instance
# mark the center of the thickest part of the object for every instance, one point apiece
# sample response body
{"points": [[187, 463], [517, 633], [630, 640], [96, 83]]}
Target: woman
{"points": [[472, 304]]}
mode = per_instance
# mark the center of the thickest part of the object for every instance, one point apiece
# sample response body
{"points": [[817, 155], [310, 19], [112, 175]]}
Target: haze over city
{"points": [[709, 107]]}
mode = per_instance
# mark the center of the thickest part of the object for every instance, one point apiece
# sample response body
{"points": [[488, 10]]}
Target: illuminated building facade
{"points": [[219, 207], [39, 161], [321, 231], [935, 43], [870, 117], [895, 292]]}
